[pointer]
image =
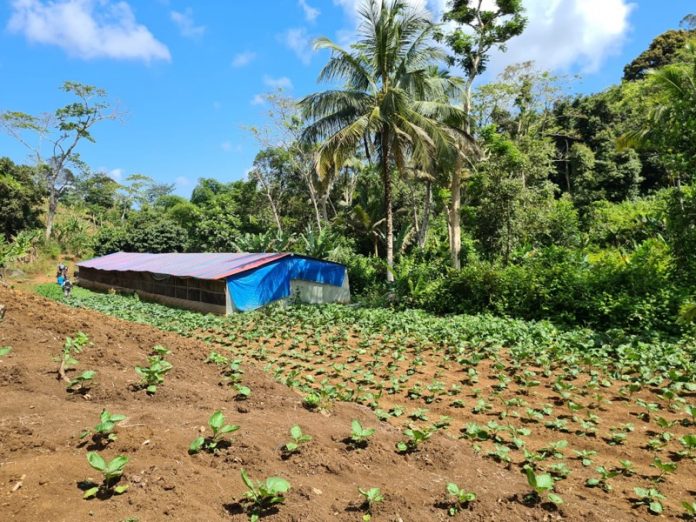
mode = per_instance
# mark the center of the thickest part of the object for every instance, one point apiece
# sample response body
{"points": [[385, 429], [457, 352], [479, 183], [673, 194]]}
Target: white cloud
{"points": [[277, 83], [310, 12], [566, 33], [258, 99], [299, 42], [87, 29], [184, 21], [242, 59], [560, 34]]}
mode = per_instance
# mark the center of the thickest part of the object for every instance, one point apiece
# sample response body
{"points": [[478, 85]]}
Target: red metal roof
{"points": [[200, 266]]}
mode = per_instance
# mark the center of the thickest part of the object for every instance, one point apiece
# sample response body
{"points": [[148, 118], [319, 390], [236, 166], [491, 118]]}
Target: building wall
{"points": [[194, 294], [318, 293]]}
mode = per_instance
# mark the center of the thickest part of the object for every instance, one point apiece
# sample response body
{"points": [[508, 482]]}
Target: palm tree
{"points": [[389, 103]]}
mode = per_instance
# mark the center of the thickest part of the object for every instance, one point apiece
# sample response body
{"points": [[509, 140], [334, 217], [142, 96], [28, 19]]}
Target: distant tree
{"points": [[59, 135], [663, 50], [388, 100], [21, 198], [480, 29]]}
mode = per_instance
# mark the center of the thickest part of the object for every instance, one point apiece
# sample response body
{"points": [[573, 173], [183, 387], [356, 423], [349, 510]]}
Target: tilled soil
{"points": [[43, 464]]}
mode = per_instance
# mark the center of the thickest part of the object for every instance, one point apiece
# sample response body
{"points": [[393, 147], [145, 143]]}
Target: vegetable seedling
{"points": [[263, 495], [105, 428], [372, 496], [298, 438], [81, 383], [217, 424], [5, 350], [542, 484], [359, 434], [111, 471], [461, 498], [415, 439], [650, 497], [153, 375]]}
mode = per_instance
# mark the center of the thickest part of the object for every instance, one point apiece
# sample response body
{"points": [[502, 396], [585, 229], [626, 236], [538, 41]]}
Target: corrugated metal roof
{"points": [[200, 266]]}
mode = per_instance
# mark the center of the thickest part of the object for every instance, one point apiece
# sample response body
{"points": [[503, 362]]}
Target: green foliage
{"points": [[261, 496], [650, 497], [21, 199], [359, 434], [542, 484], [111, 471], [153, 375], [298, 439], [219, 428], [105, 428], [372, 497], [461, 498]]}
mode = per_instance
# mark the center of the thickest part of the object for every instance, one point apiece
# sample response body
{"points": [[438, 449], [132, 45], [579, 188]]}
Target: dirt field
{"points": [[42, 459]]}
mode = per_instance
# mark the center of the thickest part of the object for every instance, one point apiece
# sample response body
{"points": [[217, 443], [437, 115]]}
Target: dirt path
{"points": [[42, 460]]}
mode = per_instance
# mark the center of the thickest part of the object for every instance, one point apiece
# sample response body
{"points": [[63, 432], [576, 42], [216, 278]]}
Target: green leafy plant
{"points": [[460, 498], [542, 484], [72, 346], [372, 497], [219, 428], [650, 497], [81, 383], [153, 375], [243, 392], [104, 430], [689, 510], [262, 496], [359, 434], [111, 471], [5, 350], [603, 480], [416, 437], [298, 438]]}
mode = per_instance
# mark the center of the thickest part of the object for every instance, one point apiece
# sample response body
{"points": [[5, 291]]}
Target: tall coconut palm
{"points": [[389, 103]]}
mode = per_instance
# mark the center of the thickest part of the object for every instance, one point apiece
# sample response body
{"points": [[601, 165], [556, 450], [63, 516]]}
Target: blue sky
{"points": [[188, 74]]}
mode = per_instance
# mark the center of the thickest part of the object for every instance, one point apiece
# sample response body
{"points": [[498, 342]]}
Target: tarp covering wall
{"points": [[256, 288]]}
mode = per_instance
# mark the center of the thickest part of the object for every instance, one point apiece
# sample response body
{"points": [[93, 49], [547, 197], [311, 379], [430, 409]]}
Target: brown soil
{"points": [[42, 460]]}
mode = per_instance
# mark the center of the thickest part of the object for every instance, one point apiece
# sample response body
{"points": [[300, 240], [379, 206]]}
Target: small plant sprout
{"points": [[372, 497], [689, 510], [415, 439], [460, 498], [243, 392], [104, 431], [262, 496], [160, 351], [5, 350], [72, 346], [217, 424], [689, 444], [298, 438], [664, 467], [650, 497], [111, 471], [81, 383], [359, 434], [542, 484], [153, 375], [603, 480]]}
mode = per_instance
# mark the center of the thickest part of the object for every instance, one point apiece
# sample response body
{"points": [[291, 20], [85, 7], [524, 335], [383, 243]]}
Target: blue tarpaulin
{"points": [[258, 287]]}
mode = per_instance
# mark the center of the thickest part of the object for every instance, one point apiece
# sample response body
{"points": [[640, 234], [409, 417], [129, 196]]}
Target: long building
{"points": [[218, 283]]}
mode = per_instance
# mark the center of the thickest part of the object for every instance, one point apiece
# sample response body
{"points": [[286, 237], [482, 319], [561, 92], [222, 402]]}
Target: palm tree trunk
{"points": [[386, 178], [425, 220], [454, 215]]}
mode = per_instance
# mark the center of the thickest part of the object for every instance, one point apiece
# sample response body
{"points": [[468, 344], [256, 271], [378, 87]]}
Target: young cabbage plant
{"points": [[104, 431], [650, 497], [298, 438], [243, 392], [153, 375], [542, 484], [219, 428], [415, 439], [372, 497], [81, 383], [111, 471], [72, 346], [261, 496], [460, 498], [359, 434]]}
